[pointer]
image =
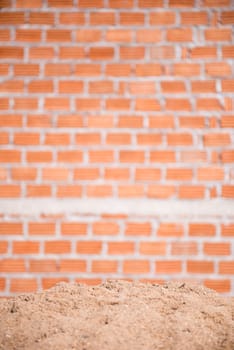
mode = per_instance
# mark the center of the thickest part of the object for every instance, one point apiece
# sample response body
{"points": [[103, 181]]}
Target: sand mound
{"points": [[118, 315]]}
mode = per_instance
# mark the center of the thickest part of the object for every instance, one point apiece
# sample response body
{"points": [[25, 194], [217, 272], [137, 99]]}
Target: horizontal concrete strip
{"points": [[28, 206]]}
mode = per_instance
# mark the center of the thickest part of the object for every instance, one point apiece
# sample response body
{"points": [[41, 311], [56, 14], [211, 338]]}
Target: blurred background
{"points": [[116, 142]]}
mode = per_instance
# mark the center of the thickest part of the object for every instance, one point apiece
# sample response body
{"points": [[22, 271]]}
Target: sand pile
{"points": [[118, 315]]}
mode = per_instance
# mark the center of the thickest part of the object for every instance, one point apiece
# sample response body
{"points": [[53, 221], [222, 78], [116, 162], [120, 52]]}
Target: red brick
{"points": [[150, 3], [204, 52], [11, 228], [105, 156], [39, 121], [41, 228], [23, 285], [147, 174], [218, 34], [168, 267], [191, 192], [99, 191], [227, 230], [12, 265], [184, 248], [217, 140], [42, 53], [26, 139], [152, 248], [126, 121], [86, 174], [132, 18], [210, 174], [89, 247], [216, 248], [55, 174], [104, 266], [45, 18], [170, 229], [201, 229], [105, 228], [40, 86], [136, 266], [218, 69], [39, 156], [26, 69], [42, 266], [179, 35], [228, 191], [57, 247], [28, 4], [26, 247], [74, 228], [11, 18], [132, 53], [162, 18], [69, 191], [220, 286], [28, 35], [145, 70], [60, 3], [120, 248], [102, 18], [160, 191], [10, 156], [186, 69], [119, 35], [38, 191], [194, 18], [199, 266]]}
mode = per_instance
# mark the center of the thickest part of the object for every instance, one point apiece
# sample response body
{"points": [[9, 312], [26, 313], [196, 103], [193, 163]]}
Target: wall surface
{"points": [[116, 142]]}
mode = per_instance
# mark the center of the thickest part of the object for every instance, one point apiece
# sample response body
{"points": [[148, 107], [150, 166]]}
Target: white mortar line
{"points": [[28, 206]]}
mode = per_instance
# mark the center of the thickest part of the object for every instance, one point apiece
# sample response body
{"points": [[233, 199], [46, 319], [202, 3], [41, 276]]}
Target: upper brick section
{"points": [[116, 99]]}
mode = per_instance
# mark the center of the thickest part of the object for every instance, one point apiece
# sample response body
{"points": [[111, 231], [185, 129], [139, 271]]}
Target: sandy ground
{"points": [[118, 315]]}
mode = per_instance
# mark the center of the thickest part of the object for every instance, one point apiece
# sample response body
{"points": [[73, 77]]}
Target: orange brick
{"points": [[12, 265], [132, 18], [216, 3], [228, 191], [150, 3], [172, 87], [28, 35], [162, 52], [216, 248], [194, 266], [152, 248], [102, 18], [132, 156], [132, 53], [118, 69], [162, 156], [57, 69], [203, 52], [120, 248], [144, 70], [136, 266], [26, 247], [11, 228], [28, 3], [23, 285], [203, 86], [40, 86], [227, 156], [69, 191], [227, 230], [99, 191], [119, 35], [4, 138], [186, 69], [208, 104], [57, 139], [4, 35], [86, 174], [88, 35], [11, 52], [10, 156], [42, 266], [130, 191], [41, 228], [149, 139], [38, 191], [105, 228], [227, 17], [201, 229], [168, 267], [90, 3], [57, 247], [106, 156], [210, 174], [147, 104], [179, 35], [121, 4], [3, 248], [142, 88], [162, 18], [89, 247], [4, 69], [41, 18], [220, 286], [42, 53], [194, 18], [226, 267], [72, 18], [218, 34], [104, 266], [60, 3], [228, 51], [2, 284], [70, 121], [101, 87], [87, 104], [179, 174], [3, 174], [192, 122], [4, 103], [88, 69], [147, 174], [26, 69], [8, 191], [217, 140], [55, 174], [228, 85], [170, 229], [218, 69], [39, 156], [126, 121], [39, 120], [11, 18], [178, 104], [26, 139], [184, 248], [57, 103], [74, 228], [101, 53], [116, 174], [138, 229], [148, 35], [161, 122], [179, 139], [191, 192], [70, 156], [88, 139], [58, 35], [50, 282], [25, 103], [118, 139]]}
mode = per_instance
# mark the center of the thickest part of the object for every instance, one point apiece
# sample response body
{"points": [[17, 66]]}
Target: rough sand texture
{"points": [[118, 315]]}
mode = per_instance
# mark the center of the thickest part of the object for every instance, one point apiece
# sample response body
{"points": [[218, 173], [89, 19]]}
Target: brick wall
{"points": [[116, 142]]}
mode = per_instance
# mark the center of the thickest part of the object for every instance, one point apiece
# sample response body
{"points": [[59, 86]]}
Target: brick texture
{"points": [[116, 99]]}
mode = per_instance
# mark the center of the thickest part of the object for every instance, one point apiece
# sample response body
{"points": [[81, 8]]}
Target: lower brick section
{"points": [[38, 251]]}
